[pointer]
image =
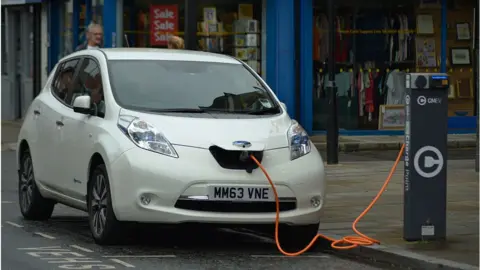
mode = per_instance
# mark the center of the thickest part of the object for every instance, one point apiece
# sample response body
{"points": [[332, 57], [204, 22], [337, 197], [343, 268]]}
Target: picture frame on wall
{"points": [[460, 56], [463, 31], [391, 117], [464, 88], [425, 24], [426, 54]]}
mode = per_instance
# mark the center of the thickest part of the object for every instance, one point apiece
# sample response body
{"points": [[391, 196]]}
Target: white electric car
{"points": [[165, 136]]}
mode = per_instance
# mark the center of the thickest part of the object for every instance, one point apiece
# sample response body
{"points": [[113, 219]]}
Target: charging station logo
{"points": [[432, 158], [421, 100]]}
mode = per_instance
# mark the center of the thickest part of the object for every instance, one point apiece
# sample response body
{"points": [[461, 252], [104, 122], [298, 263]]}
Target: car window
{"points": [[62, 84], [89, 82], [160, 85]]}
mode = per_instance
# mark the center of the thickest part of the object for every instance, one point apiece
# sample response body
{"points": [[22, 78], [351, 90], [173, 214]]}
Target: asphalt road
{"points": [[64, 241]]}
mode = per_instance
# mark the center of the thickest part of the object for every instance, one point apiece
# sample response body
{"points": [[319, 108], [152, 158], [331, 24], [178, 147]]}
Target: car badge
{"points": [[242, 144]]}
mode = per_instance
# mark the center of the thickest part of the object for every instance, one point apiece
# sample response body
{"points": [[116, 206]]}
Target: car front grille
{"points": [[235, 207]]}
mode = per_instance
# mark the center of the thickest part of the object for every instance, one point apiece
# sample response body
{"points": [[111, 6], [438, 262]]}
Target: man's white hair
{"points": [[93, 25]]}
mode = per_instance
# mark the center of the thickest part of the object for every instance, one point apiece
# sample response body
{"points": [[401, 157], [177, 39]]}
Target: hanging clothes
{"points": [[396, 88]]}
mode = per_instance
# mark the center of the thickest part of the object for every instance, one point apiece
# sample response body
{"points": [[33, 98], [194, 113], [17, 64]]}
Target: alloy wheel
{"points": [[99, 204], [26, 184]]}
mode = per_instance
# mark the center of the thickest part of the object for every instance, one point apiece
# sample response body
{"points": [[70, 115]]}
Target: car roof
{"points": [[166, 54]]}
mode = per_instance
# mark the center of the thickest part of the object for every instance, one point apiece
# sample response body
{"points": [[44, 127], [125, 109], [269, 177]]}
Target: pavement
{"points": [[368, 143], [351, 187]]}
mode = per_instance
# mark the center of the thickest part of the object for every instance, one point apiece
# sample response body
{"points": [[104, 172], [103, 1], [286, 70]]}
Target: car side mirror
{"points": [[284, 106], [81, 105]]}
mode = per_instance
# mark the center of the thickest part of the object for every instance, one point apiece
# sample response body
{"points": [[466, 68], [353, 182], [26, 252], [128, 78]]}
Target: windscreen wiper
{"points": [[216, 110], [178, 110]]}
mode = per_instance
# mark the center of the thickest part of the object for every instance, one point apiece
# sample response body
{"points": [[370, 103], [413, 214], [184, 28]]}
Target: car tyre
{"points": [[104, 226], [295, 238], [33, 205]]}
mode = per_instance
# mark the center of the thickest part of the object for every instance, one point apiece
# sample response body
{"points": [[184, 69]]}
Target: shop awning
{"points": [[19, 2]]}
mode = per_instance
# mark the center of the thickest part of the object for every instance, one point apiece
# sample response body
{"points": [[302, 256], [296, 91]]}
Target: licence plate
{"points": [[223, 193]]}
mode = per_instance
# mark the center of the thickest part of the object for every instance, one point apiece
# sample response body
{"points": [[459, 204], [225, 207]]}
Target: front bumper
{"points": [[165, 180]]}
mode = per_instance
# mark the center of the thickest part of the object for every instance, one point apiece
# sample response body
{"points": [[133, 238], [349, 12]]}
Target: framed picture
{"points": [[425, 24], [391, 117], [463, 31], [464, 88], [426, 54], [460, 56]]}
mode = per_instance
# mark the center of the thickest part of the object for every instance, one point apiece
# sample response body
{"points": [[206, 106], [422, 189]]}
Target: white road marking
{"points": [[7, 202], [139, 256], [14, 224], [122, 263], [81, 248], [54, 248], [283, 256], [44, 235]]}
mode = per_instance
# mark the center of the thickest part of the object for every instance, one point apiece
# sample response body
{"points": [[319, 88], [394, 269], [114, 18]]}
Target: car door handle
{"points": [[59, 123], [36, 112]]}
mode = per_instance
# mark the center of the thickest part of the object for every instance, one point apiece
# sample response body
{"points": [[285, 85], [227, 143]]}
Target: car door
{"points": [[55, 114], [80, 130], [40, 139]]}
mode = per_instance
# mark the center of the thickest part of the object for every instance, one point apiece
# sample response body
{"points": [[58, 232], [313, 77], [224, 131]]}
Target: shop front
{"points": [[376, 44], [233, 27]]}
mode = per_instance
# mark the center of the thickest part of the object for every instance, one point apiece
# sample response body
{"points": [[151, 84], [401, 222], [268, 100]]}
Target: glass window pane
{"points": [[224, 26], [231, 27], [160, 85], [66, 31]]}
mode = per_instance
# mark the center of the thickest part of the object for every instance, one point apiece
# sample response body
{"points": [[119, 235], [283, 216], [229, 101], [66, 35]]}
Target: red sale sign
{"points": [[163, 23]]}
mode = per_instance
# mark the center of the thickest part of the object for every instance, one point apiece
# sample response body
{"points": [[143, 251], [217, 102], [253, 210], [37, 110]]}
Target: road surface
{"points": [[64, 242]]}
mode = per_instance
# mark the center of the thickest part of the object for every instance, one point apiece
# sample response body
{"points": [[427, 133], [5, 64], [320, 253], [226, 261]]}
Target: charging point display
{"points": [[425, 175]]}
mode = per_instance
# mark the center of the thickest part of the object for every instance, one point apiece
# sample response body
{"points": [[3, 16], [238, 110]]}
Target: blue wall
{"points": [[281, 51]]}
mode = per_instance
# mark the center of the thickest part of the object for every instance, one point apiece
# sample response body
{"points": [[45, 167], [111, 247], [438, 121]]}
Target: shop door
{"points": [[25, 56], [11, 81]]}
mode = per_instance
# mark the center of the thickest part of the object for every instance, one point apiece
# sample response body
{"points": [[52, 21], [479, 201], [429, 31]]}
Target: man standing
{"points": [[94, 38]]}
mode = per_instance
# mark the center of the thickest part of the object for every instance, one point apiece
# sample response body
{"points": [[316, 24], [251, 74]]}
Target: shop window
{"points": [[233, 28], [375, 46], [460, 56], [139, 20], [66, 30], [4, 45], [224, 26], [97, 11]]}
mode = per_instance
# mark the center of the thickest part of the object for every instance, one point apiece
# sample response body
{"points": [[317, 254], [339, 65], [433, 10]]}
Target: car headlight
{"points": [[145, 136], [298, 141]]}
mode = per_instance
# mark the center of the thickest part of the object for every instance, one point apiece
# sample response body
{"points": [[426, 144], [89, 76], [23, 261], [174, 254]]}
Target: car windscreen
{"points": [[160, 85]]}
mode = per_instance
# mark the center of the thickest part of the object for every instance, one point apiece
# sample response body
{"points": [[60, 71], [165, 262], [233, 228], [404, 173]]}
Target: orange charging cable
{"points": [[347, 242]]}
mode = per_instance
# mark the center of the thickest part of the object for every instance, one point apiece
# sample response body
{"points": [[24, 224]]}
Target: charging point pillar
{"points": [[425, 175]]}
